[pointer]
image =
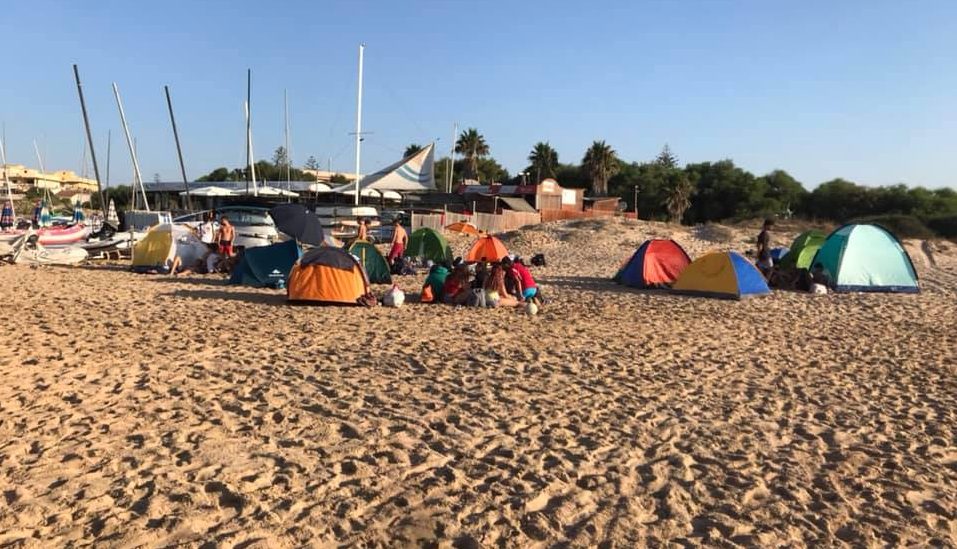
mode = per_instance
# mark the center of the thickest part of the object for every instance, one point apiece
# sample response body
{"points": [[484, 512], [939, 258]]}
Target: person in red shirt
{"points": [[529, 287], [456, 288]]}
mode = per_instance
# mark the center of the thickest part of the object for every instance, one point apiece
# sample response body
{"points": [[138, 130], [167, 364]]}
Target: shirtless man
{"points": [[399, 240], [363, 230], [226, 234]]}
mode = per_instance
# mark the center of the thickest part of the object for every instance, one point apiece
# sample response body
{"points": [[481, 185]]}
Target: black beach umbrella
{"points": [[297, 222]]}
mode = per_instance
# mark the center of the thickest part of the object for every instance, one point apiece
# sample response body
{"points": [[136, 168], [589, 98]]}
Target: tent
{"points": [[487, 248], [725, 275], [429, 244], [777, 254], [463, 227], [164, 242], [866, 258], [376, 267], [327, 275], [802, 250], [656, 263], [266, 266]]}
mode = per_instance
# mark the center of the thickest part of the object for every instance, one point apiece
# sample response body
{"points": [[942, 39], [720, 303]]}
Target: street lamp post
{"points": [[636, 202]]}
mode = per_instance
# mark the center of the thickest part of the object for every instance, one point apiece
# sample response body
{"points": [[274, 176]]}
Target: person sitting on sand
{"points": [[456, 288], [513, 282], [434, 282], [226, 235], [530, 290], [820, 280], [495, 293], [400, 239], [481, 274]]}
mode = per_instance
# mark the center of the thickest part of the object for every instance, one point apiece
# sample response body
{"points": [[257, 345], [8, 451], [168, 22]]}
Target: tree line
{"points": [[694, 193], [720, 191]]}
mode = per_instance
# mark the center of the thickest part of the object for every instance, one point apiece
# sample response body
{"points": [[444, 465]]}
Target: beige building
{"points": [[325, 177], [24, 179]]}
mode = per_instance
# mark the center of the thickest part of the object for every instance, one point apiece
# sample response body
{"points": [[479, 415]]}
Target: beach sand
{"points": [[155, 411]]}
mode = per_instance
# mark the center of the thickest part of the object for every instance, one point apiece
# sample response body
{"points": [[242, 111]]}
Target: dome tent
{"points": [[802, 250], [429, 244], [376, 267], [164, 242], [655, 263], [266, 266], [866, 258], [486, 248], [327, 275], [726, 275]]}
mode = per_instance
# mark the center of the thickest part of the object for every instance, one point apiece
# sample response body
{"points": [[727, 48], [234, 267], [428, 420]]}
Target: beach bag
{"points": [[368, 300], [394, 297], [476, 298], [538, 260], [427, 296]]}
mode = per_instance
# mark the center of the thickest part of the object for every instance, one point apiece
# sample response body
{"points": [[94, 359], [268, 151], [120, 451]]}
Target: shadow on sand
{"points": [[596, 284], [246, 297]]}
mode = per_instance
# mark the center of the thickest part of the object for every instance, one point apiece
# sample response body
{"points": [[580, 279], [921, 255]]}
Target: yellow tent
{"points": [[164, 242]]}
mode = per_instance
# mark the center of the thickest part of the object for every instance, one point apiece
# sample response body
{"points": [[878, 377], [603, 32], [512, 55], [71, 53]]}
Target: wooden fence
{"points": [[490, 223], [557, 215]]}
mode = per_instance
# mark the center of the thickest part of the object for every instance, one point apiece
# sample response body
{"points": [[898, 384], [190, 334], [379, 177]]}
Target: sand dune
{"points": [[152, 411]]}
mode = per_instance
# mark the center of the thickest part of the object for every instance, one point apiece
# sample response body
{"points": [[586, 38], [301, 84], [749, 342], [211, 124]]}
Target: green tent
{"points": [[803, 249], [372, 261], [429, 244]]}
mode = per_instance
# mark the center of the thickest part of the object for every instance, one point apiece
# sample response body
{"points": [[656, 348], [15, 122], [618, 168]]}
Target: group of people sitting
{"points": [[814, 280], [505, 283]]}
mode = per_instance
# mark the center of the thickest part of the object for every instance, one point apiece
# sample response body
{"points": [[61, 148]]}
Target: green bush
{"points": [[944, 225], [904, 226]]}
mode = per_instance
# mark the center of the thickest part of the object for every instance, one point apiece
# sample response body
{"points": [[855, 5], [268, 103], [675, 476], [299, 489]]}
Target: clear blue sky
{"points": [[865, 90]]}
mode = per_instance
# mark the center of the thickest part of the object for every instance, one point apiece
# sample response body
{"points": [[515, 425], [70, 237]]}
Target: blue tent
{"points": [[866, 258], [721, 274], [266, 266], [777, 254]]}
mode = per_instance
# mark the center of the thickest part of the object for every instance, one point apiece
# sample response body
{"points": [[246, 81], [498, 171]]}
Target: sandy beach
{"points": [[151, 411]]}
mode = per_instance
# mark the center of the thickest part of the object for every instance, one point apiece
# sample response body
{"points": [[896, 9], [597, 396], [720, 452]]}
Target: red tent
{"points": [[655, 263]]}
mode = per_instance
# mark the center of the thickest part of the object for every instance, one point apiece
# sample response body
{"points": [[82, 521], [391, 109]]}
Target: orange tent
{"points": [[463, 227], [327, 275], [487, 248]]}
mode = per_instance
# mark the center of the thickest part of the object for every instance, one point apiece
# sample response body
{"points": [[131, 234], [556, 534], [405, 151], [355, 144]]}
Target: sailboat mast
{"points": [[39, 158], [249, 133], [138, 178], [3, 157], [179, 151], [89, 139], [250, 156], [285, 109], [451, 162], [362, 48], [109, 145]]}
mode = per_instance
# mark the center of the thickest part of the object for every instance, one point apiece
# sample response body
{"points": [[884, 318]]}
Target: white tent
{"points": [[413, 173], [319, 188], [209, 191]]}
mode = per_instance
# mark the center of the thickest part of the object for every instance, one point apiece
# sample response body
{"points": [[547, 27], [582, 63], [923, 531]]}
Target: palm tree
{"points": [[544, 159], [413, 148], [679, 197], [601, 163], [471, 144]]}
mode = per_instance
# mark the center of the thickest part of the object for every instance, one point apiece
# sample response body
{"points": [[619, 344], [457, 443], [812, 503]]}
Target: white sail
{"points": [[413, 173]]}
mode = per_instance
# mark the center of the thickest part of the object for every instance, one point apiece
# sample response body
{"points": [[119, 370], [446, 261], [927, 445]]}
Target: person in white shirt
{"points": [[206, 229]]}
